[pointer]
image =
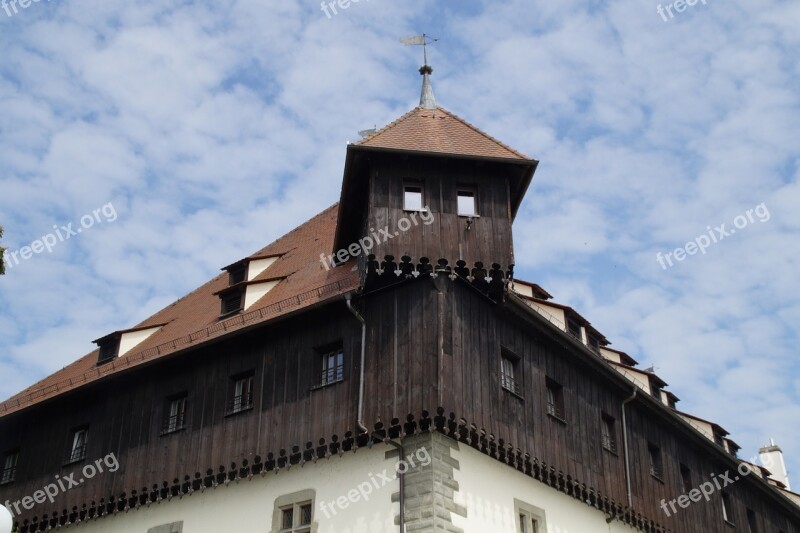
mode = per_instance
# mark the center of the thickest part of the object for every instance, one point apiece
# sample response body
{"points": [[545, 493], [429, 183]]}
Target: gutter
{"points": [[360, 419], [625, 446]]}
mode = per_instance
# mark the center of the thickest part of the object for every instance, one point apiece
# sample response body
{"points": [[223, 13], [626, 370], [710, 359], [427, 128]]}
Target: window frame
{"points": [[608, 432], [725, 501], [225, 309], [8, 474], [324, 371], [655, 461], [167, 426], [420, 188], [78, 451], [294, 501], [236, 400], [512, 383], [574, 334], [471, 192], [527, 513], [556, 405]]}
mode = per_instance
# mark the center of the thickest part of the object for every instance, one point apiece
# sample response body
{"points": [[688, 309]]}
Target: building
{"points": [[377, 369]]}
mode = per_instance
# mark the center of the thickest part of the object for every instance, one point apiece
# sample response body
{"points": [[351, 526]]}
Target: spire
{"points": [[426, 98]]}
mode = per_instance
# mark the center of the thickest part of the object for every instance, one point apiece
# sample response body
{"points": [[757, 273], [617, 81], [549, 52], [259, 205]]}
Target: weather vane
{"points": [[417, 40]]}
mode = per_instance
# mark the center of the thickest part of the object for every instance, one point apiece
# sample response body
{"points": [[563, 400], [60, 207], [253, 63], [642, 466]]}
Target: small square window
{"points": [[241, 393], [332, 366], [80, 441], [509, 379], [656, 465], [609, 433], [555, 399], [9, 472], [174, 414], [412, 198], [467, 204]]}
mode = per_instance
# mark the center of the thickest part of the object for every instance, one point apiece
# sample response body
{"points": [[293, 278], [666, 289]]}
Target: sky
{"points": [[181, 136]]}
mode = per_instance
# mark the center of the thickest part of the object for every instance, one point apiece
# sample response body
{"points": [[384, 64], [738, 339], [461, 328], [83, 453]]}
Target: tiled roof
{"points": [[194, 319], [438, 131]]}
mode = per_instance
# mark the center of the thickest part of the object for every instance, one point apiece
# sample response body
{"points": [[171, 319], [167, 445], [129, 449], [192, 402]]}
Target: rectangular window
{"points": [[508, 372], [467, 204], [726, 507], [231, 302], [412, 198], [9, 472], [609, 433], [656, 466], [530, 519], [332, 366], [686, 478], [296, 518], [752, 522], [555, 399], [80, 441], [241, 395], [574, 329], [174, 414]]}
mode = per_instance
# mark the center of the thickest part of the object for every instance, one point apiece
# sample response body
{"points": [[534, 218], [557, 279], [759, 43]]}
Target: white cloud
{"points": [[216, 128]]}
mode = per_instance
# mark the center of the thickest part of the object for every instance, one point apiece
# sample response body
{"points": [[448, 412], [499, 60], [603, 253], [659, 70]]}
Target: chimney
{"points": [[772, 459]]}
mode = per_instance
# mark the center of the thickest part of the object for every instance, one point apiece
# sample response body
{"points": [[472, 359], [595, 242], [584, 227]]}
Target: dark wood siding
{"points": [[430, 342]]}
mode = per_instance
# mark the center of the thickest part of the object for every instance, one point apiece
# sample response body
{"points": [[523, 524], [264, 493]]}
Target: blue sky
{"points": [[213, 128]]}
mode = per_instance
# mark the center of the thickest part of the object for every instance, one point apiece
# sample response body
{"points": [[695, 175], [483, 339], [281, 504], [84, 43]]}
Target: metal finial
{"points": [[426, 98]]}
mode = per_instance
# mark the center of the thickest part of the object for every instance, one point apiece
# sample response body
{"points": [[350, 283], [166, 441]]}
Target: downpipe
{"points": [[360, 421]]}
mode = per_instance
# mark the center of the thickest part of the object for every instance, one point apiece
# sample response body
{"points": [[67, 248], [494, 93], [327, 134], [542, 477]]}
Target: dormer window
{"points": [[467, 203], [573, 328], [655, 388], [109, 348], [412, 198], [231, 302], [236, 274], [594, 343]]}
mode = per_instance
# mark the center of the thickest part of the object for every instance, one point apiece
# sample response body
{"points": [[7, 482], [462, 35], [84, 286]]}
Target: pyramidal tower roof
{"points": [[436, 130]]}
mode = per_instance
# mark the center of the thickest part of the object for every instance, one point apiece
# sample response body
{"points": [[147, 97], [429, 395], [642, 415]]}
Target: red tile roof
{"points": [[438, 131], [194, 319]]}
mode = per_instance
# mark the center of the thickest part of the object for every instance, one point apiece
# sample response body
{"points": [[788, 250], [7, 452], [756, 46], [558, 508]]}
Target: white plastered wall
{"points": [[247, 505], [488, 488]]}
